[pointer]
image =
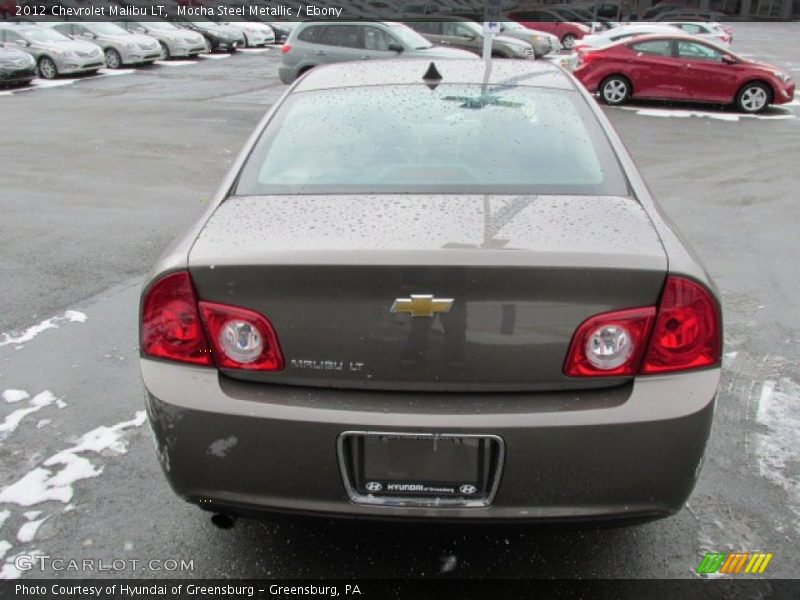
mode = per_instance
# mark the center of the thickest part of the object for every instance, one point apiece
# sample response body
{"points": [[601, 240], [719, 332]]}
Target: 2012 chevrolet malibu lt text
{"points": [[426, 291]]}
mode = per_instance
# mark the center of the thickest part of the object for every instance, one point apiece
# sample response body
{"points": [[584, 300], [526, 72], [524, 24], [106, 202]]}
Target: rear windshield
{"points": [[453, 139]]}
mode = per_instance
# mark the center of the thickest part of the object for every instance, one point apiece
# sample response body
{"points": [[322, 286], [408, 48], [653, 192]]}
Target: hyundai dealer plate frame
{"points": [[462, 497]]}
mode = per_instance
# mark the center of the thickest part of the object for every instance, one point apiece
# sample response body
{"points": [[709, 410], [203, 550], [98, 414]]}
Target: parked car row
{"points": [[73, 47], [316, 43]]}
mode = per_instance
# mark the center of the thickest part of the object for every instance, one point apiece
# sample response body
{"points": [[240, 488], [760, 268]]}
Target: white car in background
{"points": [[255, 33], [610, 36], [711, 32], [120, 47]]}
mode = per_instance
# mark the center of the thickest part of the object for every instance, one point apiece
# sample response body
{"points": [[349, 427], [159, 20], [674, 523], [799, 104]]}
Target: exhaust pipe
{"points": [[223, 521]]}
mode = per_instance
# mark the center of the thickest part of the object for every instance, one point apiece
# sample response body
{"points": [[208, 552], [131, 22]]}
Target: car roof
{"points": [[664, 36], [410, 71]]}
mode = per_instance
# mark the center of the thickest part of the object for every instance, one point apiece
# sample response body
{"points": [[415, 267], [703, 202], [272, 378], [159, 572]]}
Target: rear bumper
{"points": [[629, 452], [287, 74]]}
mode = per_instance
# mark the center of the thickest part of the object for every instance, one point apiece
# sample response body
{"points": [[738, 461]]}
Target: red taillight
{"points": [[686, 334], [241, 338], [170, 324], [683, 334], [286, 48], [610, 344]]}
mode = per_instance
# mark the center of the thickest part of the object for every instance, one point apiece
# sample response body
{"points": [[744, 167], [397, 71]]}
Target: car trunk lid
{"points": [[522, 273]]}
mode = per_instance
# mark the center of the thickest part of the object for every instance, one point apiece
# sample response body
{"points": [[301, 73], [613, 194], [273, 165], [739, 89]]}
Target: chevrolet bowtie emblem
{"points": [[422, 305]]}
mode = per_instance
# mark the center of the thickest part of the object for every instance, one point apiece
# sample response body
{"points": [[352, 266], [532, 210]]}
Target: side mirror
{"points": [[394, 47], [22, 43], [729, 60]]}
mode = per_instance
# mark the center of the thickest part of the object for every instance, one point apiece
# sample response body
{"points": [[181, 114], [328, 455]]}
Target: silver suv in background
{"points": [[317, 43], [175, 42], [55, 54], [120, 47]]}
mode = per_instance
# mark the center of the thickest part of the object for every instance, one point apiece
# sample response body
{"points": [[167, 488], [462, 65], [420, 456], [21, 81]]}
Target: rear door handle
{"points": [[320, 53]]}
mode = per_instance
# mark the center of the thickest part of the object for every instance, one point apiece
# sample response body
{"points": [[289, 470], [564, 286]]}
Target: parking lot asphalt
{"points": [[98, 174]]}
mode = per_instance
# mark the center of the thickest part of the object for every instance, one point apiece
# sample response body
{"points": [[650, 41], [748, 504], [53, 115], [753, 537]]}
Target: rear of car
{"points": [[568, 32], [416, 297]]}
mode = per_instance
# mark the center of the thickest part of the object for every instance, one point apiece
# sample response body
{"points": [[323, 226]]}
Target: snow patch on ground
{"points": [[214, 56], [107, 72], [4, 548], [175, 63], [4, 514], [70, 316], [9, 571], [776, 450], [50, 83], [28, 530], [15, 395], [43, 484], [718, 116], [38, 402]]}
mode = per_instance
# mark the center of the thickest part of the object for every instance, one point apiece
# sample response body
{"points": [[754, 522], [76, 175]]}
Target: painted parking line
{"points": [[214, 56], [253, 50]]}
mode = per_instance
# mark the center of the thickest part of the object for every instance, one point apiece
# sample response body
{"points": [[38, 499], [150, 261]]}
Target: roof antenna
{"points": [[432, 77]]}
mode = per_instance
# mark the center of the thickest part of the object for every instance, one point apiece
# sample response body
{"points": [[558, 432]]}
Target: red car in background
{"points": [[682, 68], [8, 8], [551, 22]]}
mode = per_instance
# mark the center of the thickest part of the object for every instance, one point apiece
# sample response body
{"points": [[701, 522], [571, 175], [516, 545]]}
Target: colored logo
{"points": [[734, 563], [421, 305]]}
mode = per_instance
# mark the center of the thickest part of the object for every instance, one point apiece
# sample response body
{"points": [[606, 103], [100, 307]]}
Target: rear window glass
{"points": [[454, 139]]}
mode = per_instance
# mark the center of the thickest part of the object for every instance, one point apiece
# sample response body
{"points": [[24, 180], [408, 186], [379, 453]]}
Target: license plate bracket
{"points": [[420, 469]]}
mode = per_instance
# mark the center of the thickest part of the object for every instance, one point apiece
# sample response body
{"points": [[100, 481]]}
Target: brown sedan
{"points": [[422, 295]]}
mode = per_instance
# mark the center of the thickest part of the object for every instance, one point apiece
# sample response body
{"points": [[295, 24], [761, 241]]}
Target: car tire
{"points": [[113, 59], [209, 45], [47, 68], [568, 41], [247, 43], [753, 97], [303, 71], [615, 90], [165, 50]]}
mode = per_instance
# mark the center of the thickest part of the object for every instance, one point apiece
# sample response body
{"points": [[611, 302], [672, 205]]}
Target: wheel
{"points": [[165, 50], [47, 68], [615, 90], [209, 47], [247, 43], [568, 41], [754, 97], [234, 47], [113, 60]]}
